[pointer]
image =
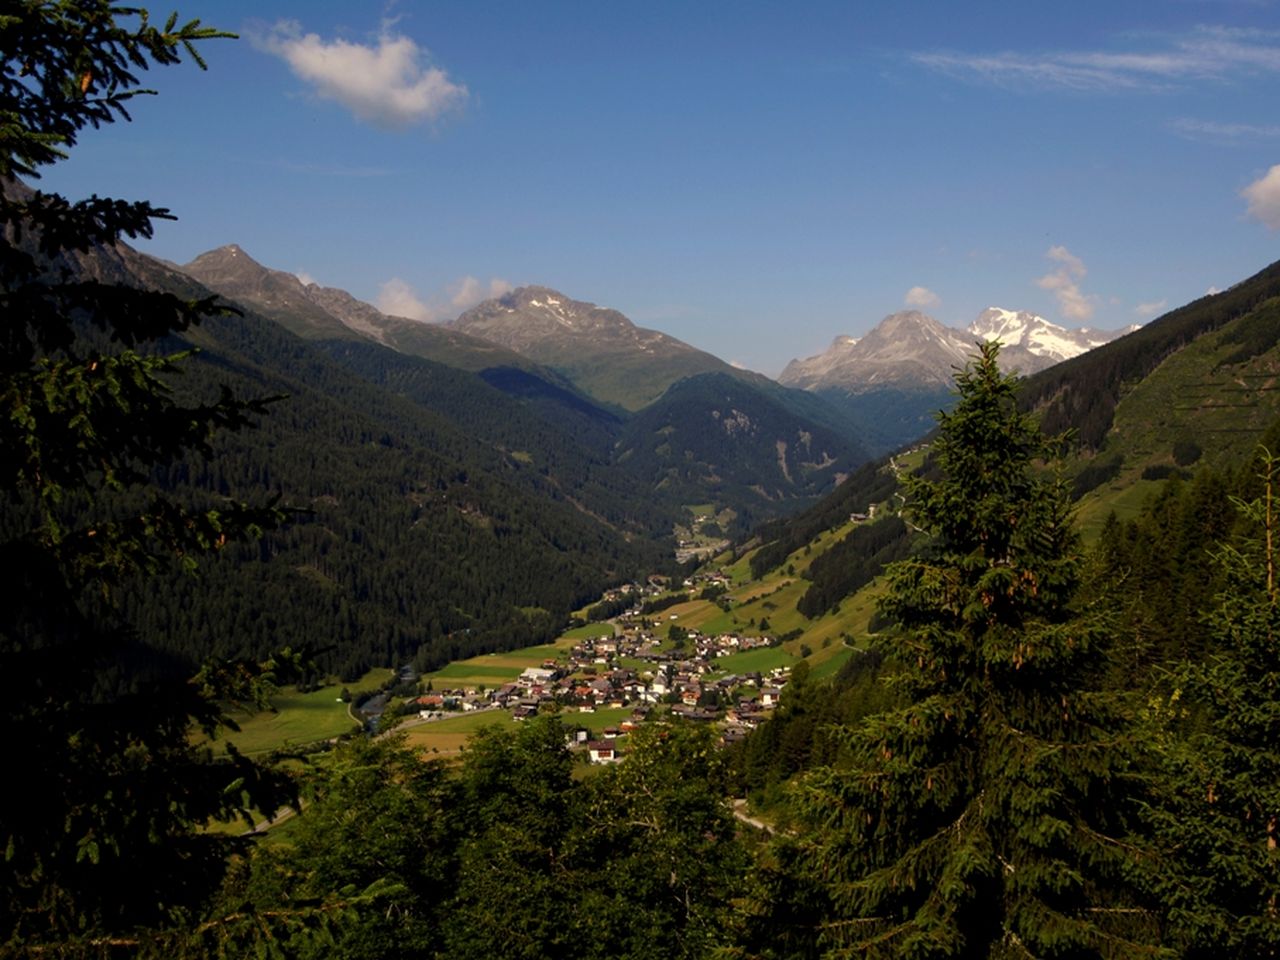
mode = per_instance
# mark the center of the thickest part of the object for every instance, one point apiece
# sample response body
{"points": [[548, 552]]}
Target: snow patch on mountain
{"points": [[911, 350]]}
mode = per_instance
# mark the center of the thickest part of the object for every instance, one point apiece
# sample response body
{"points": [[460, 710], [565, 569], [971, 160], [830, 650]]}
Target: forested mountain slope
{"points": [[712, 437], [1081, 394], [1196, 386], [422, 536]]}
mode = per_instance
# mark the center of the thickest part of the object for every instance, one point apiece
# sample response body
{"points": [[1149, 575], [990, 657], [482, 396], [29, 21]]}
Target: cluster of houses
{"points": [[634, 669]]}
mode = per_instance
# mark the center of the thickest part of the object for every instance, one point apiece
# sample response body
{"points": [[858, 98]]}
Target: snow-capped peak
{"points": [[1035, 337]]}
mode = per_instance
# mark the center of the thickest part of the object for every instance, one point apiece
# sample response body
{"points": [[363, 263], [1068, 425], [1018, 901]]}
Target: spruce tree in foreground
{"points": [[1219, 809], [101, 830], [987, 817]]}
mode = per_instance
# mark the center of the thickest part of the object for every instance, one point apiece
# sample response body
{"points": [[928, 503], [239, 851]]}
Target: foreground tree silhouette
{"points": [[99, 831], [1218, 814], [985, 818]]}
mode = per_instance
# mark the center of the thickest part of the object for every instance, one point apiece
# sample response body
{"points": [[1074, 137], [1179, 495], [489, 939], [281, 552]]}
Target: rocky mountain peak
{"points": [[1031, 342], [912, 350], [277, 294], [539, 312], [226, 262]]}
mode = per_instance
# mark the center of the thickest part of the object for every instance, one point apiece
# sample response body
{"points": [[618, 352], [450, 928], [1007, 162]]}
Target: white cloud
{"points": [[399, 299], [305, 278], [390, 84], [1263, 196], [1215, 132], [922, 298], [468, 291], [1205, 53], [1065, 285], [1150, 309], [1212, 291]]}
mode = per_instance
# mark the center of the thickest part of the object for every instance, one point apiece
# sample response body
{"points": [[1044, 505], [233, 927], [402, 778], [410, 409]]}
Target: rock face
{"points": [[912, 351], [1030, 343], [533, 318], [597, 348], [327, 313], [906, 349], [278, 295]]}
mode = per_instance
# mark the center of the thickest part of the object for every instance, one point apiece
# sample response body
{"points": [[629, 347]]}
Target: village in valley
{"points": [[639, 666]]}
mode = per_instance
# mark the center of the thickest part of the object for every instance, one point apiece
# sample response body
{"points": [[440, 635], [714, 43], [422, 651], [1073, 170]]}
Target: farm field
{"points": [[761, 659], [495, 669], [299, 718], [446, 738]]}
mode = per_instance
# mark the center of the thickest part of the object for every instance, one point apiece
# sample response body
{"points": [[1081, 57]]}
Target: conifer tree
{"points": [[985, 817], [101, 831], [1219, 809]]}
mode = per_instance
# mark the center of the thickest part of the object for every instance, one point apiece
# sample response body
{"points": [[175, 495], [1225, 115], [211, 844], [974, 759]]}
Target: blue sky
{"points": [[753, 178]]}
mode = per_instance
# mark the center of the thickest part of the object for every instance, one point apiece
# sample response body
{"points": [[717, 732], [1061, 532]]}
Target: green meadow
{"points": [[299, 718]]}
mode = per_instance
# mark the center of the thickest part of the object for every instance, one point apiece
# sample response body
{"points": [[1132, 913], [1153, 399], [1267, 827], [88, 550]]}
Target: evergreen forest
{"points": [[1049, 746]]}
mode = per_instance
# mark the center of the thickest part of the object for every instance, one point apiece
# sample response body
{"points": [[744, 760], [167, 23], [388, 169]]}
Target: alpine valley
{"points": [[520, 459], [330, 633]]}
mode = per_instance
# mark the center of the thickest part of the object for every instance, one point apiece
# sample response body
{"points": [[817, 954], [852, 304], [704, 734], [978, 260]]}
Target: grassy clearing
{"points": [[446, 738], [597, 721], [588, 630], [762, 659], [1126, 497], [470, 669], [299, 718], [494, 669], [832, 664]]}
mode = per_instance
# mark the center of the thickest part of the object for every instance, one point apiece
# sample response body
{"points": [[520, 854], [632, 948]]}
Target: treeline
{"points": [[852, 562], [508, 853], [1081, 394], [870, 484], [1161, 572], [412, 542], [715, 433]]}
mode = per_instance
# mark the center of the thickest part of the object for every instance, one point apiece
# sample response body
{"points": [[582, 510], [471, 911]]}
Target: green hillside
{"points": [[1198, 387]]}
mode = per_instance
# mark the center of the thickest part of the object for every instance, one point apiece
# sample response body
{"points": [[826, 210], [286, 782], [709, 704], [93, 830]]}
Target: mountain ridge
{"points": [[910, 349]]}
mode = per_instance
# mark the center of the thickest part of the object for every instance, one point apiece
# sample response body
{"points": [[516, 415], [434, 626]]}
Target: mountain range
{"points": [[897, 376], [1193, 389], [468, 485], [872, 394], [911, 347]]}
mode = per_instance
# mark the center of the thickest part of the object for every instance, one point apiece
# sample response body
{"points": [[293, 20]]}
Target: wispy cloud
{"points": [[922, 298], [399, 299], [1064, 282], [466, 292], [1215, 132], [390, 84], [1150, 309], [1263, 197], [305, 278], [1206, 53]]}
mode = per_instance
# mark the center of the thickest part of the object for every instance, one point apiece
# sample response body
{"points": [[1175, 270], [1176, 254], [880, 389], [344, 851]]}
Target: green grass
{"points": [[762, 659], [447, 737], [470, 669], [636, 664], [597, 721], [1125, 497], [496, 668], [589, 630], [832, 664], [299, 718]]}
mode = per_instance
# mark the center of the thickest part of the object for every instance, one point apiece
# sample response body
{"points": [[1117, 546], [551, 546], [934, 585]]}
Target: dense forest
{"points": [[1051, 750]]}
